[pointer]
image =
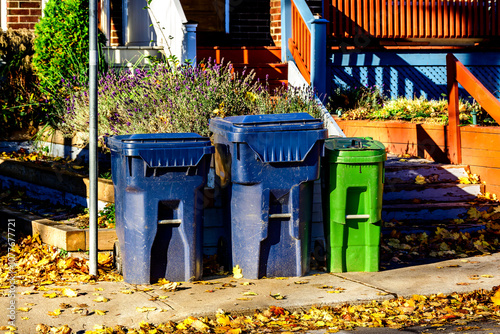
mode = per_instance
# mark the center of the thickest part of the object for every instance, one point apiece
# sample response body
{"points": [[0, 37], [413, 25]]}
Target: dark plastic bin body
{"points": [[353, 177], [270, 163], [159, 180]]}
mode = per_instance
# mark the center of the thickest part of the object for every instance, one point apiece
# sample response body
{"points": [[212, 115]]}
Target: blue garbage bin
{"points": [[270, 163], [159, 181]]}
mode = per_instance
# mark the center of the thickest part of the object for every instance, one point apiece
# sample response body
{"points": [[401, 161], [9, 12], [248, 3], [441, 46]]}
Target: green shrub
{"points": [[62, 43], [359, 98], [369, 103], [22, 105]]}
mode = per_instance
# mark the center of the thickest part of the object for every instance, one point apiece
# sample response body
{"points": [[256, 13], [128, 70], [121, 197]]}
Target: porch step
{"points": [[404, 173], [265, 61], [428, 213], [441, 198], [435, 193], [241, 55]]}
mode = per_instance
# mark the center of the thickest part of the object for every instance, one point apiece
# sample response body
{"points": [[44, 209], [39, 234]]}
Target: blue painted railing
{"points": [[305, 36]]}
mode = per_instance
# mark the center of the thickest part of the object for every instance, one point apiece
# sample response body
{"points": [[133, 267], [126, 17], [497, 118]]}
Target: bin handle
{"points": [[169, 221], [357, 216], [280, 216]]}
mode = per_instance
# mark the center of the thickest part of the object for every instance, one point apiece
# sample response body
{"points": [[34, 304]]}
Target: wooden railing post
{"points": [[286, 28], [189, 43], [454, 141], [318, 56]]}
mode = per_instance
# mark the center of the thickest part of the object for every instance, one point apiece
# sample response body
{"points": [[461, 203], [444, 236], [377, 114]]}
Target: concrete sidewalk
{"points": [[239, 296]]}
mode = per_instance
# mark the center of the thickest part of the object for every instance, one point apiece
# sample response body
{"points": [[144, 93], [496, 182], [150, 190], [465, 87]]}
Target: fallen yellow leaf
{"points": [[237, 272], [101, 299], [419, 179], [67, 292], [249, 293], [24, 309], [99, 312], [145, 309], [277, 296], [50, 295], [496, 298], [127, 292], [54, 313]]}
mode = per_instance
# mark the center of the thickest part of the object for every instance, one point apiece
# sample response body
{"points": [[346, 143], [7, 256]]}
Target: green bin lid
{"points": [[354, 150]]}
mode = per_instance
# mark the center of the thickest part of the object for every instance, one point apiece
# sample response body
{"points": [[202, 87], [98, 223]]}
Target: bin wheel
{"points": [[117, 258]]}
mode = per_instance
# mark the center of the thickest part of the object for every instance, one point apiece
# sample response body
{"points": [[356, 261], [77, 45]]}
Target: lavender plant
{"points": [[165, 99]]}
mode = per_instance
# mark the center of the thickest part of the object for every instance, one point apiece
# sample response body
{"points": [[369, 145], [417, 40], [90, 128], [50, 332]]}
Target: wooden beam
{"points": [[454, 145]]}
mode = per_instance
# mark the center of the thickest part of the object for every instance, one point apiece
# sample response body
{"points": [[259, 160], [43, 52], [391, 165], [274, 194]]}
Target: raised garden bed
{"points": [[58, 225], [480, 144]]}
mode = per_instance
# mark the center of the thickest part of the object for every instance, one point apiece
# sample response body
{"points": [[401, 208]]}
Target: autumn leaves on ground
{"points": [[39, 266]]}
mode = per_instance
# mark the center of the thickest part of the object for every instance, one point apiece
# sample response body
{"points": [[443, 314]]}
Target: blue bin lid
{"points": [[163, 149], [266, 123], [274, 138]]}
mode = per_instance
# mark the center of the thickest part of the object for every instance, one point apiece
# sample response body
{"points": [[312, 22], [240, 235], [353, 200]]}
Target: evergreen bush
{"points": [[62, 43]]}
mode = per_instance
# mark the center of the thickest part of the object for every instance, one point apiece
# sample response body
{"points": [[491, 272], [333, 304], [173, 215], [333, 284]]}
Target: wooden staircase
{"points": [[265, 61], [440, 196]]}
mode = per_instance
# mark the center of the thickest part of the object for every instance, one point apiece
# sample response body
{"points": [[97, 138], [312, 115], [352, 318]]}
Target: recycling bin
{"points": [[352, 186], [269, 162], [158, 181]]}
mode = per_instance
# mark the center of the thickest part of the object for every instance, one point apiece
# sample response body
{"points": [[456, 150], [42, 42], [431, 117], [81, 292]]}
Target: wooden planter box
{"points": [[60, 235], [480, 145]]}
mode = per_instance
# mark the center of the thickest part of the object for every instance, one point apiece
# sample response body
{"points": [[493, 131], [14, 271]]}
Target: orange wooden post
{"points": [[446, 20], [433, 19], [463, 13], [376, 17], [440, 19], [454, 141], [390, 28], [408, 19]]}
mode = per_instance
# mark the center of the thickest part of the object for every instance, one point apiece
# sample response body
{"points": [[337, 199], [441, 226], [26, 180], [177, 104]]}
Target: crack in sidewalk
{"points": [[395, 295]]}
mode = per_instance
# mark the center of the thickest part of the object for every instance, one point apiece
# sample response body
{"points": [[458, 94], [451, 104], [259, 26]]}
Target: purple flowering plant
{"points": [[166, 99]]}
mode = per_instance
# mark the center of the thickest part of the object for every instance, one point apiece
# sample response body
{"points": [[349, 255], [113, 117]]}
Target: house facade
{"points": [[398, 45]]}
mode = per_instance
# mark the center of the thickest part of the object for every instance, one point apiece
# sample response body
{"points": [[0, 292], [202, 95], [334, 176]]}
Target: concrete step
{"points": [[441, 198], [265, 61], [430, 212], [433, 173], [430, 193], [271, 71]]}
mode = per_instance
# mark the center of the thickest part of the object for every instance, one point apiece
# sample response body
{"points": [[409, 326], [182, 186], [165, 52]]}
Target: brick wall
{"points": [[23, 14]]}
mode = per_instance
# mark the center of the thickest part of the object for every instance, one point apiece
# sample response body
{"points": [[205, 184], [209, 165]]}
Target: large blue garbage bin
{"points": [[270, 162], [159, 181]]}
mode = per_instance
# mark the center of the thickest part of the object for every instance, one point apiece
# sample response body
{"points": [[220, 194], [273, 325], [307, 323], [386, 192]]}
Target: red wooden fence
{"points": [[414, 18]]}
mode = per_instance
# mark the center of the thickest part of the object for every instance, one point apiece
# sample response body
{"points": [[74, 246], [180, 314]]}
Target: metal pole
{"points": [[93, 61]]}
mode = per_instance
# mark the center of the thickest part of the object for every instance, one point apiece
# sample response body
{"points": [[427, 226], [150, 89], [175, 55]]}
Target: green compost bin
{"points": [[352, 186]]}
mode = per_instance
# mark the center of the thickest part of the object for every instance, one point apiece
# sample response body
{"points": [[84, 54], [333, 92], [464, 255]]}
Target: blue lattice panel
{"points": [[411, 74]]}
